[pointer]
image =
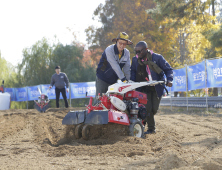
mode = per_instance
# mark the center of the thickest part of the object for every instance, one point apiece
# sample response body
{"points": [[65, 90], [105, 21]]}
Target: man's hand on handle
{"points": [[124, 80], [169, 84]]}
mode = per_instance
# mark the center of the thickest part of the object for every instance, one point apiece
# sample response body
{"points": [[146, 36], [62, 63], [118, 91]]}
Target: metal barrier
{"points": [[215, 102]]}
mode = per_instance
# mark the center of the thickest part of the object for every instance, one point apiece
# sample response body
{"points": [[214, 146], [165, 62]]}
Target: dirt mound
{"points": [[170, 161], [33, 140]]}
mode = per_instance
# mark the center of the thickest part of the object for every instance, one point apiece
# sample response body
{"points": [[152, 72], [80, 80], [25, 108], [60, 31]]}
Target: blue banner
{"points": [[196, 76], [51, 92], [214, 73], [21, 94], [168, 88], [78, 90], [179, 80], [11, 91], [33, 92]]}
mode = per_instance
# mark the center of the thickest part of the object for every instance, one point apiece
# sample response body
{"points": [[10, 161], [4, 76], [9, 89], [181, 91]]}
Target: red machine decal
{"points": [[123, 87]]}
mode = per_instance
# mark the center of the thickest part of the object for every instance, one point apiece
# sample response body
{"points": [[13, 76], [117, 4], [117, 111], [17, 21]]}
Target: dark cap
{"points": [[57, 67]]}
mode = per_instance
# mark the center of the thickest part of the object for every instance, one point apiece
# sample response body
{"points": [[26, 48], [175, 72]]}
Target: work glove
{"points": [[124, 80], [67, 90]]}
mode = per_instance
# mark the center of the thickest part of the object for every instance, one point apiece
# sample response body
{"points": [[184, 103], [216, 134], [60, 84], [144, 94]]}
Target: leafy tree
{"points": [[197, 26], [199, 45], [117, 16], [35, 67], [185, 10], [39, 61], [70, 58], [7, 73], [105, 14], [216, 40], [193, 18]]}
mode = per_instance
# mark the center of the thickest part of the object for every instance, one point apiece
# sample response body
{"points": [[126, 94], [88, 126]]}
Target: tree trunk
{"points": [[213, 10]]}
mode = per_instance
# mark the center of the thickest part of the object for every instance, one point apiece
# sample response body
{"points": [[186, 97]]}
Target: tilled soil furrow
{"points": [[32, 140]]}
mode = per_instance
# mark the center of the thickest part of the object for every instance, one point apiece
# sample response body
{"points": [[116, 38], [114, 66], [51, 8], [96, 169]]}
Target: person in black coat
{"points": [[148, 66]]}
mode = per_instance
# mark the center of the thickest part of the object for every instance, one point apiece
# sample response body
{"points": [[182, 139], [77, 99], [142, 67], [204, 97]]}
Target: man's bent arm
{"points": [[168, 70], [126, 69], [114, 64]]}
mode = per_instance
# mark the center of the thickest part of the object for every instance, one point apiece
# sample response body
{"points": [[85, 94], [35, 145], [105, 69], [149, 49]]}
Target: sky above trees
{"points": [[25, 22]]}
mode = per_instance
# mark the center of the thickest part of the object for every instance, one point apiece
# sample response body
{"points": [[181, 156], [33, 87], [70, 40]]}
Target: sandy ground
{"points": [[32, 140]]}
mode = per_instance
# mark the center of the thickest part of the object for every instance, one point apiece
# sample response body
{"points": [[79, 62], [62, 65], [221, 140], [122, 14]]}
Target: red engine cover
{"points": [[118, 117], [135, 94]]}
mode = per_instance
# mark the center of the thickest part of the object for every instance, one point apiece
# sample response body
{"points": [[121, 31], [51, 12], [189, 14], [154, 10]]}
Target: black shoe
{"points": [[150, 131]]}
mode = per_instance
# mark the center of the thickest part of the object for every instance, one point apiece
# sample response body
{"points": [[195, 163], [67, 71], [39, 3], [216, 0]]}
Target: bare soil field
{"points": [[185, 141]]}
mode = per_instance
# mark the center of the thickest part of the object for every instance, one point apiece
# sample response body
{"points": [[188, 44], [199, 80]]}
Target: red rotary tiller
{"points": [[121, 104]]}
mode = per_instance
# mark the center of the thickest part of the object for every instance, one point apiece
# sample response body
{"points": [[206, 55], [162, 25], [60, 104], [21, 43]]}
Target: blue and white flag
{"points": [[78, 90], [196, 76], [214, 73], [179, 80], [33, 92], [11, 91], [51, 92], [21, 94]]}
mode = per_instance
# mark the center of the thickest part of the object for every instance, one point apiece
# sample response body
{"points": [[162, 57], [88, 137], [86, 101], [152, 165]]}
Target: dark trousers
{"points": [[57, 92], [101, 87], [152, 107]]}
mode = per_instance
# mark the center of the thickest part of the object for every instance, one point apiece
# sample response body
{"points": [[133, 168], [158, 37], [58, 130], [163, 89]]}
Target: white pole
{"points": [[41, 89], [206, 89], [186, 86], [170, 99], [27, 97], [70, 96]]}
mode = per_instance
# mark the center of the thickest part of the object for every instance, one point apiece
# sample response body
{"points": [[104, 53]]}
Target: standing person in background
{"points": [[114, 59], [60, 80], [148, 66]]}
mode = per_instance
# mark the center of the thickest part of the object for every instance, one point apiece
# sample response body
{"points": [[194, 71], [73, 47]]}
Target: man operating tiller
{"points": [[149, 66], [114, 59]]}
